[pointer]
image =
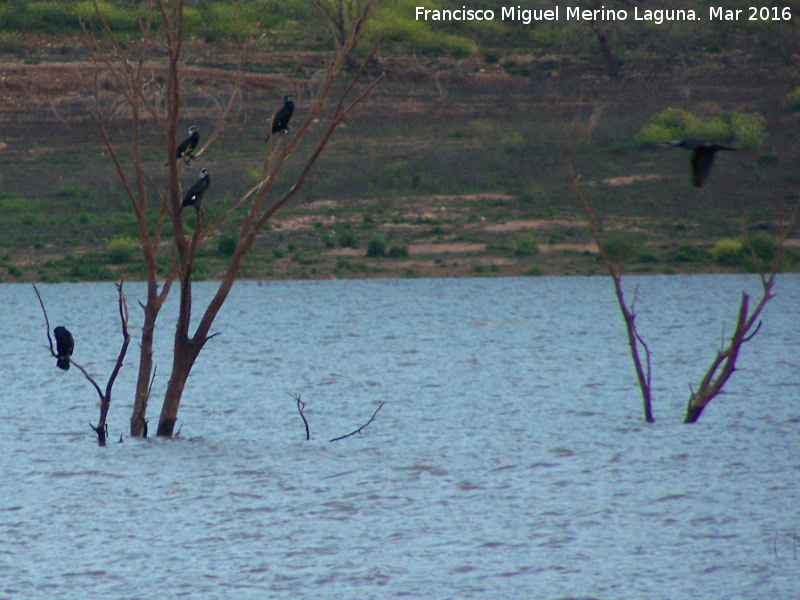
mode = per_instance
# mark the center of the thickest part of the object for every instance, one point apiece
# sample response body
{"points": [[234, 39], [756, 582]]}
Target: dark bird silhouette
{"points": [[702, 157], [187, 146], [280, 122], [65, 344], [195, 193]]}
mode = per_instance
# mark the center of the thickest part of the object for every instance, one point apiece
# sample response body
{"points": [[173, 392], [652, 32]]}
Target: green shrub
{"points": [[121, 248], [765, 248], [535, 193], [88, 268], [119, 16], [10, 41], [513, 142], [398, 173], [226, 245], [347, 239], [346, 266], [395, 22], [622, 248], [791, 101], [403, 174], [211, 19], [397, 252], [535, 271], [688, 253], [727, 253], [216, 21], [202, 269], [746, 130], [376, 247], [526, 245]]}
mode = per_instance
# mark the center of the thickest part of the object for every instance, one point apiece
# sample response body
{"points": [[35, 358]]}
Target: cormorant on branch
{"points": [[187, 146], [65, 344], [280, 122], [702, 157], [195, 193]]}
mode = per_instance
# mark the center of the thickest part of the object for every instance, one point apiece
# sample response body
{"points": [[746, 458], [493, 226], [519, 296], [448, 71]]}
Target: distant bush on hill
{"points": [[727, 253], [791, 101], [513, 39], [122, 248], [745, 130]]}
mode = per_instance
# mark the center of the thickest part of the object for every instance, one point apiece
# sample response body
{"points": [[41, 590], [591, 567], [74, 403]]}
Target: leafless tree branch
{"points": [[360, 429], [46, 321], [634, 338], [747, 326], [105, 398], [301, 408]]}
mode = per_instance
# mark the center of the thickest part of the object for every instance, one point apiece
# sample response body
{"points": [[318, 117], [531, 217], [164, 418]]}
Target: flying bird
{"points": [[195, 193], [280, 122], [65, 344], [702, 157], [187, 146]]}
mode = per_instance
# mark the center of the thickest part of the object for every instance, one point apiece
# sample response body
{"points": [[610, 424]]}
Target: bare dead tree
{"points": [[635, 341], [338, 14], [301, 406], [130, 77], [128, 80], [360, 429], [105, 397], [747, 326]]}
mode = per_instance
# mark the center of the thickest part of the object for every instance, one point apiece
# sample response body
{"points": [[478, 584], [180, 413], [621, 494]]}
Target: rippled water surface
{"points": [[509, 461]]}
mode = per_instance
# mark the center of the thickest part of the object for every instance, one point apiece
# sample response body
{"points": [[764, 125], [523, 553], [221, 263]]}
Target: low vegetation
{"points": [[748, 131]]}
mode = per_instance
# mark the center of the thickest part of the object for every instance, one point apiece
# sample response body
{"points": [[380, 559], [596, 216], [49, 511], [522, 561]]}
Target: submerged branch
{"points": [[360, 429], [46, 321], [301, 408]]}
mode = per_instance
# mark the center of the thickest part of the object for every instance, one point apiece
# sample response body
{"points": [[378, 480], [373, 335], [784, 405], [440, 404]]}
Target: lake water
{"points": [[510, 460]]}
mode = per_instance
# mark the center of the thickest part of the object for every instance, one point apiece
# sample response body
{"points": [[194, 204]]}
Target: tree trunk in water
{"points": [[185, 348], [155, 301], [184, 357], [138, 418], [693, 413]]}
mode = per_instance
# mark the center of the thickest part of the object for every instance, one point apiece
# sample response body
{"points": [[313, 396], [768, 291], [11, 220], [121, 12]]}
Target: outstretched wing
{"points": [[702, 159]]}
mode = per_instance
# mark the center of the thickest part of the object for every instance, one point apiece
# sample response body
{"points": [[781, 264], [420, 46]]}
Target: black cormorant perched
{"points": [[187, 146], [280, 122], [702, 157], [64, 346], [195, 193]]}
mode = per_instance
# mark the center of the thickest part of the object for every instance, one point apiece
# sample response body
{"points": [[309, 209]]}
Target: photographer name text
{"points": [[574, 13]]}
